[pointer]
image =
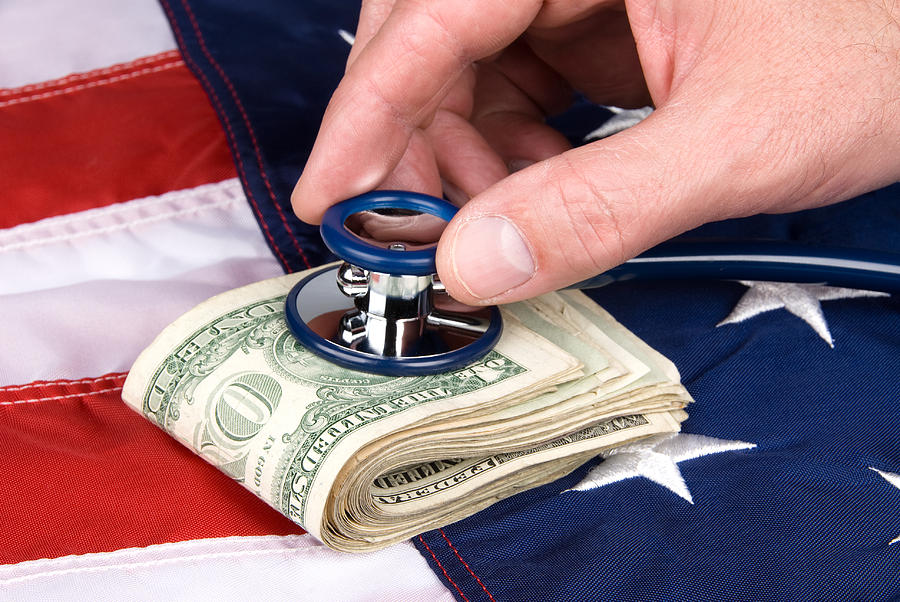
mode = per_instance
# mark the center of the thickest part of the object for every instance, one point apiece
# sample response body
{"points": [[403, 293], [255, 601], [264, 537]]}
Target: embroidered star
{"points": [[622, 119], [893, 479], [656, 458], [347, 36], [802, 300]]}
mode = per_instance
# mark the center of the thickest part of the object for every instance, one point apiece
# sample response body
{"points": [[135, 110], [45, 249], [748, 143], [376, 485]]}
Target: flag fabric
{"points": [[145, 174], [122, 208], [783, 484]]}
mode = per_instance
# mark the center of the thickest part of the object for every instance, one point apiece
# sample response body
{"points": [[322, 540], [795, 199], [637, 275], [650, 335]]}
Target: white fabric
{"points": [[293, 567], [656, 458], [99, 327], [152, 238], [802, 300], [88, 291], [83, 294], [893, 479], [621, 120], [65, 37]]}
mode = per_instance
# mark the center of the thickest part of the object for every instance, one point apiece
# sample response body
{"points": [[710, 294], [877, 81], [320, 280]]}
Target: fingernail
{"points": [[514, 165], [490, 257]]}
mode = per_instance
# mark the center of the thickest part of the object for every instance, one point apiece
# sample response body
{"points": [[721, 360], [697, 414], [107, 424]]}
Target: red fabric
{"points": [[83, 473], [111, 135]]}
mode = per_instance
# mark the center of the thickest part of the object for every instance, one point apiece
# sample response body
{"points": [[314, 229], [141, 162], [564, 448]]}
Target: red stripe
{"points": [[82, 473], [11, 394], [92, 139], [51, 89], [97, 74]]}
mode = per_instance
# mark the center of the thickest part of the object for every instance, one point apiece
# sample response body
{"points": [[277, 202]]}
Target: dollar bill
{"points": [[362, 460]]}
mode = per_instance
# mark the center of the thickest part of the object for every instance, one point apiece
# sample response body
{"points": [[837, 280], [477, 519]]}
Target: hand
{"points": [[766, 106]]}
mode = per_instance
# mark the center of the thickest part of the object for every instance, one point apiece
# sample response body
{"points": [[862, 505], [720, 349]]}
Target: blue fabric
{"points": [[800, 516], [870, 221]]}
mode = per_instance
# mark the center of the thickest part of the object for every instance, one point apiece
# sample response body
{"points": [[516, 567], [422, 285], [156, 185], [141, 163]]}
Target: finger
{"points": [[466, 161], [381, 228], [417, 170], [394, 86], [578, 214], [512, 120], [595, 52], [534, 78], [372, 15], [559, 13], [449, 147], [733, 138]]}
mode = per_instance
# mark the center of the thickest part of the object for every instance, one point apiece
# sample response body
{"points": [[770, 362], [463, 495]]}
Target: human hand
{"points": [[767, 106]]}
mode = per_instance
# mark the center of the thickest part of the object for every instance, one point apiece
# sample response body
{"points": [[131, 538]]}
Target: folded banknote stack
{"points": [[361, 460]]}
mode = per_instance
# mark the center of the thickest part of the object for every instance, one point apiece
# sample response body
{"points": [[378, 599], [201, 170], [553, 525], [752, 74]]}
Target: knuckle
{"points": [[588, 217]]}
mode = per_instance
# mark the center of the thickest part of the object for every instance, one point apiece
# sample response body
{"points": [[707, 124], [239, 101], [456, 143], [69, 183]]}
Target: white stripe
{"points": [[49, 39], [294, 567], [854, 264], [145, 239], [83, 294], [97, 327]]}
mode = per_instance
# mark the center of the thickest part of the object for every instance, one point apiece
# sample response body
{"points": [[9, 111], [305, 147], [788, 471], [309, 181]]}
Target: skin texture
{"points": [[764, 106]]}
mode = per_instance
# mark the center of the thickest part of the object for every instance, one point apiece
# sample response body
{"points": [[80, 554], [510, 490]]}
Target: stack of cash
{"points": [[362, 461]]}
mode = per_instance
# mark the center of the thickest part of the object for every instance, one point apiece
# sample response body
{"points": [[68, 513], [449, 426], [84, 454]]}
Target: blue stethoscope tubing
{"points": [[411, 262], [393, 366], [778, 261], [367, 256]]}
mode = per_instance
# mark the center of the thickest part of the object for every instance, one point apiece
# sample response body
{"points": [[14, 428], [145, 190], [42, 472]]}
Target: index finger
{"points": [[394, 86]]}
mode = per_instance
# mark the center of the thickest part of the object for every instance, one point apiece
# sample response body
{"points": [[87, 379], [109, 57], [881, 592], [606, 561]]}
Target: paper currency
{"points": [[361, 460]]}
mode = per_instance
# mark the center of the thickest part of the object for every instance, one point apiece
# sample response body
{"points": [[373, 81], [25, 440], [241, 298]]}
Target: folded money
{"points": [[362, 460]]}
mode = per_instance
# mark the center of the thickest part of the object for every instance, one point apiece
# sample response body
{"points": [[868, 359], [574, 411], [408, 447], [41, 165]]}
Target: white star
{"points": [[656, 458], [622, 119], [347, 36], [893, 479], [802, 300]]}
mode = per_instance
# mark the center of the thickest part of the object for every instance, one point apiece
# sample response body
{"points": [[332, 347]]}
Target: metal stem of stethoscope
{"points": [[390, 325], [389, 322]]}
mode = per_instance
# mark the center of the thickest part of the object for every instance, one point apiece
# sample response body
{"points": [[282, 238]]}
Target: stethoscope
{"points": [[380, 310]]}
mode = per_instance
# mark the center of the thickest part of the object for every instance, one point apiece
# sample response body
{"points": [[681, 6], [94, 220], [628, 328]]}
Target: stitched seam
{"points": [[58, 397], [465, 564], [231, 138], [62, 382], [92, 84], [162, 56], [443, 570], [107, 229], [223, 189], [250, 130], [148, 563]]}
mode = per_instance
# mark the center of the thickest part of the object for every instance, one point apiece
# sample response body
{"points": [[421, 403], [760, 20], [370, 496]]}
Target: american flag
{"points": [[122, 208], [147, 153]]}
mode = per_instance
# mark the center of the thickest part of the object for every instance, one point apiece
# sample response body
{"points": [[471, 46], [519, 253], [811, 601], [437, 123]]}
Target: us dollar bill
{"points": [[362, 460]]}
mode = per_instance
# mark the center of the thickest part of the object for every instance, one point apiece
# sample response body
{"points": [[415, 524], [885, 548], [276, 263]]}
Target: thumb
{"points": [[585, 211]]}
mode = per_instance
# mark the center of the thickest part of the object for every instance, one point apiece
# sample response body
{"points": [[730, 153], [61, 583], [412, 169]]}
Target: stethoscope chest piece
{"points": [[380, 311]]}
